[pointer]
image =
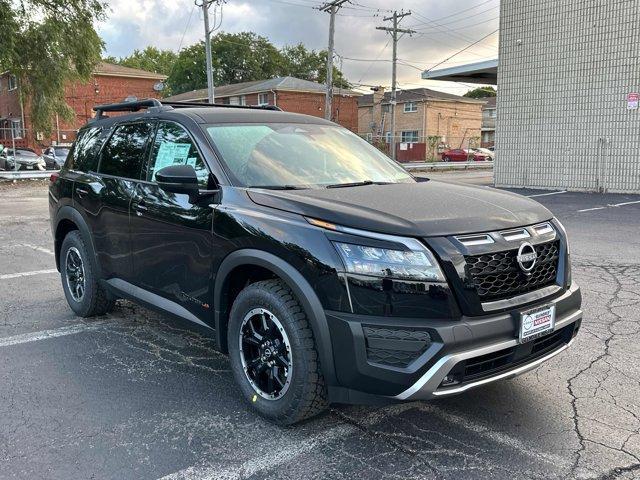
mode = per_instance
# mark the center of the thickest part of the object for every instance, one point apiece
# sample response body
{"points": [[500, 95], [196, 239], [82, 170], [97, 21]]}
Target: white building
{"points": [[568, 79]]}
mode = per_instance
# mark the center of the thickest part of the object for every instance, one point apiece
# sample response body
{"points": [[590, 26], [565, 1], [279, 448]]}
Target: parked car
{"points": [[55, 157], [25, 158], [325, 270], [485, 151], [462, 155]]}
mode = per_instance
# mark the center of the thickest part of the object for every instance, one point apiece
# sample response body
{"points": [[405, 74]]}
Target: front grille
{"points": [[395, 347], [494, 363], [497, 276]]}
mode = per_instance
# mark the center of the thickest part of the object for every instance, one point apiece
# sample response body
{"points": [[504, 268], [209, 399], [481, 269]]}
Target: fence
{"points": [[412, 148]]}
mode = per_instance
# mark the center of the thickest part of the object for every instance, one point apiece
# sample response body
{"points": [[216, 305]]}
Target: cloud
{"points": [[137, 23]]}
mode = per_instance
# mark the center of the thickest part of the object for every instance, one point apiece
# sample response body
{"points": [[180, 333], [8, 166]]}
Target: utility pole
{"points": [[331, 8], [205, 4], [395, 18]]}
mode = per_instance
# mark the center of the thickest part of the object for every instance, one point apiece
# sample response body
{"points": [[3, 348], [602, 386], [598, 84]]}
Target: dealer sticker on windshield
{"points": [[537, 322]]}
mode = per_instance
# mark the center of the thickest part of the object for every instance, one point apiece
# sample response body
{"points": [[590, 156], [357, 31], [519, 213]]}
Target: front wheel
{"points": [[446, 159], [273, 354]]}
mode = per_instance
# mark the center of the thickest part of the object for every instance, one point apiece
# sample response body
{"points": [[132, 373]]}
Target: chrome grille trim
{"points": [[544, 228], [517, 234], [469, 240]]}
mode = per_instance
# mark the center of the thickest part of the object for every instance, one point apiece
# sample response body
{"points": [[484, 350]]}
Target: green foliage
{"points": [[481, 92], [150, 59], [244, 57], [47, 44]]}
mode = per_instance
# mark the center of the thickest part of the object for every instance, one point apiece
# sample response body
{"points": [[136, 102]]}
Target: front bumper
{"points": [[418, 373]]}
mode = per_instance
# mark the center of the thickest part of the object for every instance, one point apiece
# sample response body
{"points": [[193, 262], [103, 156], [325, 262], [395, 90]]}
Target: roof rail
{"points": [[222, 105], [154, 103]]}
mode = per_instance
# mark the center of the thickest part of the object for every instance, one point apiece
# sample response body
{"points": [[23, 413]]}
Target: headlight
{"points": [[382, 262]]}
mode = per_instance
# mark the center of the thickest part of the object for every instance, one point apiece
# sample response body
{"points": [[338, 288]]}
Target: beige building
{"points": [[427, 121]]}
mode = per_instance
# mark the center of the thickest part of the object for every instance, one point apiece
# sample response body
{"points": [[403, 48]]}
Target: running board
{"points": [[155, 301]]}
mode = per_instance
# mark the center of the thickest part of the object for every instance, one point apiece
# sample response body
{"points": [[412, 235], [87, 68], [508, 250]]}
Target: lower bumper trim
{"points": [[508, 374], [427, 386]]}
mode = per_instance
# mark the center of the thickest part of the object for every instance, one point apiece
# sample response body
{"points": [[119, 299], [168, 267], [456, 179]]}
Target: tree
{"points": [[481, 92], [150, 59], [46, 44], [310, 65], [243, 57]]}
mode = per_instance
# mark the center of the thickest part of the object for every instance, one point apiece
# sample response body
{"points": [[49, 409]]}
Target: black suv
{"points": [[325, 270]]}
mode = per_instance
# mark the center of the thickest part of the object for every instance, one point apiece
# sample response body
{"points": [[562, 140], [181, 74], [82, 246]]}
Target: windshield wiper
{"points": [[357, 184], [278, 187]]}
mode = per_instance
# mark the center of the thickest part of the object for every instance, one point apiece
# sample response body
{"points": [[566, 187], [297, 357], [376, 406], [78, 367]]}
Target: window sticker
{"points": [[171, 153]]}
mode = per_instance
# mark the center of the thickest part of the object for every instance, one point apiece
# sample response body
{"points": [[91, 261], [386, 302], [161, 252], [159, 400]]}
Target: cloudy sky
{"points": [[444, 27]]}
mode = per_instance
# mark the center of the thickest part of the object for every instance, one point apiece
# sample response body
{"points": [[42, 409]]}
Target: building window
{"points": [[16, 128], [410, 136], [263, 99], [386, 108], [370, 137], [240, 100], [410, 107], [13, 82], [387, 137]]}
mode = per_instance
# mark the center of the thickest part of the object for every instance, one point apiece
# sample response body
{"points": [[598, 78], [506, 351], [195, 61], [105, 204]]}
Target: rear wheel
{"points": [[85, 296], [273, 354]]}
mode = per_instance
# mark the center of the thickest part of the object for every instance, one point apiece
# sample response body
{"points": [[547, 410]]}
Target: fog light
{"points": [[450, 380]]}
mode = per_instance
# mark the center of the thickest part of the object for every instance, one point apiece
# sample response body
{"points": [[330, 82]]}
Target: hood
{"points": [[426, 209]]}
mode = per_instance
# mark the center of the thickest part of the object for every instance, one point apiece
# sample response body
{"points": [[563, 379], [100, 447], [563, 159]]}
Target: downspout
{"points": [[275, 98]]}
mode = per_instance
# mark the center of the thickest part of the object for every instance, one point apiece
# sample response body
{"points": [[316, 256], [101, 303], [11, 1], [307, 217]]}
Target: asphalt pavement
{"points": [[134, 395]]}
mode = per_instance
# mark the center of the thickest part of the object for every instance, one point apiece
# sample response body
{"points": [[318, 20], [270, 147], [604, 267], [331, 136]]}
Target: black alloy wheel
{"points": [[74, 274], [265, 353]]}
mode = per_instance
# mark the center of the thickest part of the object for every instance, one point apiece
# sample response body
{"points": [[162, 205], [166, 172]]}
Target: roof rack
{"points": [[153, 104]]}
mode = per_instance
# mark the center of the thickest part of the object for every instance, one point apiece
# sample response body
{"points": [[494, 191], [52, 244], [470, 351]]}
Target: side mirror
{"points": [[178, 179]]}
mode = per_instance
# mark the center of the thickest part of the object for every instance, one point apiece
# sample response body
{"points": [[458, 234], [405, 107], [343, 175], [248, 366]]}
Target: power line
{"points": [[460, 51]]}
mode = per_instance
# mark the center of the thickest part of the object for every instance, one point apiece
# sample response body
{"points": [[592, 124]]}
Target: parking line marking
{"points": [[37, 248], [263, 462], [591, 209], [624, 203], [288, 453], [7, 276], [546, 194], [47, 334]]}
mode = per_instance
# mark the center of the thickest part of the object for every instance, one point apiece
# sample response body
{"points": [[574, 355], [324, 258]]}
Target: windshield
{"points": [[301, 155], [25, 153]]}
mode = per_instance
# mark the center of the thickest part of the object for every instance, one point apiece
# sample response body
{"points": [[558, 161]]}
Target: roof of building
{"points": [[490, 102], [485, 72], [416, 95], [291, 84], [112, 70]]}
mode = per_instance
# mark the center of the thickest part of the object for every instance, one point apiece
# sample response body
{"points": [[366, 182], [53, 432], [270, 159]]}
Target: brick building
{"points": [[289, 93], [426, 121], [109, 83], [489, 112]]}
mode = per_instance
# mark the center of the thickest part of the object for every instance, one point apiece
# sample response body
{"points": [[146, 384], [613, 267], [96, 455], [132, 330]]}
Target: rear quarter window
{"points": [[84, 153]]}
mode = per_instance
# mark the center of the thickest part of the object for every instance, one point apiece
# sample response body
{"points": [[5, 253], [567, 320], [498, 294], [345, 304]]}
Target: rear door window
{"points": [[173, 146], [124, 153]]}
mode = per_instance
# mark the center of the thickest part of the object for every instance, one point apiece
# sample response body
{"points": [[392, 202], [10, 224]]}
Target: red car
{"points": [[463, 155]]}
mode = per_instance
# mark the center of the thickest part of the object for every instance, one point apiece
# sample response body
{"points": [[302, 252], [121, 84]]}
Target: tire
{"points": [[446, 159], [94, 300], [305, 395]]}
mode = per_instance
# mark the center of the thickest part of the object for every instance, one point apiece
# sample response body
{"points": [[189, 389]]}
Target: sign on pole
{"points": [[632, 100]]}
